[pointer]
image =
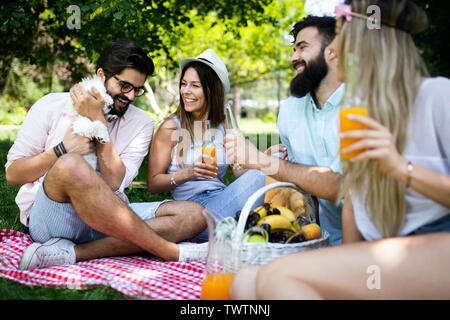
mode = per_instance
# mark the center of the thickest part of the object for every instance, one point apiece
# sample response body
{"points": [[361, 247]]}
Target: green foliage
{"points": [[20, 92], [270, 117], [250, 51], [38, 31], [431, 43], [11, 112]]}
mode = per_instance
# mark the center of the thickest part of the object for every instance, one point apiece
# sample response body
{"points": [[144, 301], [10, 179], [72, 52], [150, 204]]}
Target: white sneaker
{"points": [[190, 251], [56, 251]]}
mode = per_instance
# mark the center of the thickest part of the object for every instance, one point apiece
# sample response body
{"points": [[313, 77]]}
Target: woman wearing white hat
{"points": [[175, 157]]}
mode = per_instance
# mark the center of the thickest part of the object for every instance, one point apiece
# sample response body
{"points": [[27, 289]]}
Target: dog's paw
{"points": [[103, 140], [111, 117], [101, 132]]}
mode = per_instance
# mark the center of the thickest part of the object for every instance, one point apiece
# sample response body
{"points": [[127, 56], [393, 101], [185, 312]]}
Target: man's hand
{"points": [[87, 104], [240, 150], [276, 149], [75, 143]]}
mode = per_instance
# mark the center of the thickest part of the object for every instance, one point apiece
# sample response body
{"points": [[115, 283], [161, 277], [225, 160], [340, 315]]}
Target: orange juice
{"points": [[348, 125], [216, 286], [211, 158]]}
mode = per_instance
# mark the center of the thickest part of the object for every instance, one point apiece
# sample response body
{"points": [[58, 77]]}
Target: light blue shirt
{"points": [[311, 136]]}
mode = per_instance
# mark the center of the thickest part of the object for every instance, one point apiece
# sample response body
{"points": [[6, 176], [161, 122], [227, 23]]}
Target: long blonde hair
{"points": [[391, 74]]}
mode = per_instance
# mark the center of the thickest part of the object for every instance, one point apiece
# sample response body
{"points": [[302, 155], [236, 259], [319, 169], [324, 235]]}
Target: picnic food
{"points": [[276, 222], [286, 197], [285, 212], [311, 231], [279, 224], [256, 238]]}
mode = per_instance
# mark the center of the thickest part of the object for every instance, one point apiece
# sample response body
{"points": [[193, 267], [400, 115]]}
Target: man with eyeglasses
{"points": [[75, 213]]}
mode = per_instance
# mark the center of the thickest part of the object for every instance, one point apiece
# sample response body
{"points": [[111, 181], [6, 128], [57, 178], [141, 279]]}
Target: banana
{"points": [[262, 210], [286, 212], [276, 222]]}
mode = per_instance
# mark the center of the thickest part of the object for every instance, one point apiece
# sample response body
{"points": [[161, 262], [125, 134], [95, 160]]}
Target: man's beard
{"points": [[119, 111], [310, 78]]}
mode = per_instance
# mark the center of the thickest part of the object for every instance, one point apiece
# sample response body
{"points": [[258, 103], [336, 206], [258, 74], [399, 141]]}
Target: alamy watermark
{"points": [[74, 20], [374, 20], [374, 280]]}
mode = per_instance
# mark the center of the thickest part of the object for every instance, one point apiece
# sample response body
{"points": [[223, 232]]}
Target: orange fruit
{"points": [[312, 231]]}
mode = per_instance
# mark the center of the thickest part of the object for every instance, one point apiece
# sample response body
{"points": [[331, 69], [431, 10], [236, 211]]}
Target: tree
{"points": [[432, 42], [251, 52], [41, 32]]}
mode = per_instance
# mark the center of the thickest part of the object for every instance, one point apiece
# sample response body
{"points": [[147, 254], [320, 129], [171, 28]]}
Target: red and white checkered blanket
{"points": [[133, 276]]}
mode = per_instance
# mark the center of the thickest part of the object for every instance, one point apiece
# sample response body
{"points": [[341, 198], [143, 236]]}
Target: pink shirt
{"points": [[131, 136]]}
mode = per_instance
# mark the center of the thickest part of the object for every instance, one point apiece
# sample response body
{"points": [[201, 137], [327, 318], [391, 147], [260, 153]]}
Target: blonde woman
{"points": [[397, 191]]}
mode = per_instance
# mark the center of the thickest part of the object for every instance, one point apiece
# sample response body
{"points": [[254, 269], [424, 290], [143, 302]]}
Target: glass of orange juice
{"points": [[208, 146], [348, 125], [209, 155]]}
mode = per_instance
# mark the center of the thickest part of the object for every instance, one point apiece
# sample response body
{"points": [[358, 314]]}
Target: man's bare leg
{"points": [[174, 221], [71, 179]]}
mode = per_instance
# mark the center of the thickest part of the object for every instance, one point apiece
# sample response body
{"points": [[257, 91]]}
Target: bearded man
{"points": [[308, 123], [308, 120]]}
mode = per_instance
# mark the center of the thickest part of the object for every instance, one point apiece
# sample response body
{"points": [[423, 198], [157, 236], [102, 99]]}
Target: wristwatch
{"points": [[173, 182]]}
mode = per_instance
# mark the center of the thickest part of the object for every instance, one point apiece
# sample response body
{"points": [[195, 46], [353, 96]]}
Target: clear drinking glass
{"points": [[231, 126], [352, 103], [208, 147]]}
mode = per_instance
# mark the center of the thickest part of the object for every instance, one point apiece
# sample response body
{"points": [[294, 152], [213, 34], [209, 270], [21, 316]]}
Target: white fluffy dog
{"points": [[84, 126]]}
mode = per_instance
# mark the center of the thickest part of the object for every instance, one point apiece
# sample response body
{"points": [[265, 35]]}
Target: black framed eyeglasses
{"points": [[126, 87]]}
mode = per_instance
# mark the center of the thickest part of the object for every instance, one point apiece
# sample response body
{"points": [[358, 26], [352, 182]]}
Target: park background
{"points": [[48, 46]]}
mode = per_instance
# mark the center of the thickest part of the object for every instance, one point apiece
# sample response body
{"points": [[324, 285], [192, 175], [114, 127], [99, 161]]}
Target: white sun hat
{"points": [[211, 59]]}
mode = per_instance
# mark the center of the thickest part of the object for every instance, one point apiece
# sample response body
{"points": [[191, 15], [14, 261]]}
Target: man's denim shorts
{"points": [[51, 219]]}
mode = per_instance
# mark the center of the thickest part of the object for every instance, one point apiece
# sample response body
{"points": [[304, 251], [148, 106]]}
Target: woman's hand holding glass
{"points": [[201, 170], [378, 145]]}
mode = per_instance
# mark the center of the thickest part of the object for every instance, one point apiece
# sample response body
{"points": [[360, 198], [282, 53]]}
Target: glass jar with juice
{"points": [[222, 261]]}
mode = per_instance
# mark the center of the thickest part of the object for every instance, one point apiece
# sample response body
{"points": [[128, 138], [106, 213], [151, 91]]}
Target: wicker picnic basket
{"points": [[261, 253]]}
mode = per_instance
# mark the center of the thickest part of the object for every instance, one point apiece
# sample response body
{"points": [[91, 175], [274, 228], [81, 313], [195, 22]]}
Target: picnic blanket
{"points": [[134, 276]]}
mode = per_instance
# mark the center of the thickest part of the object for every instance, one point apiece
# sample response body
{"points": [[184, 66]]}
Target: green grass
{"points": [[9, 219]]}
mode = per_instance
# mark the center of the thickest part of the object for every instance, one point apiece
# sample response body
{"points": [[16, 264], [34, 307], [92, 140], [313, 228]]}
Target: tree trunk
{"points": [[5, 66], [237, 102], [151, 98]]}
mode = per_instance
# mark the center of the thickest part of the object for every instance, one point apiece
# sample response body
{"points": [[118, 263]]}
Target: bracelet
{"points": [[57, 152], [63, 149], [173, 182], [410, 170]]}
